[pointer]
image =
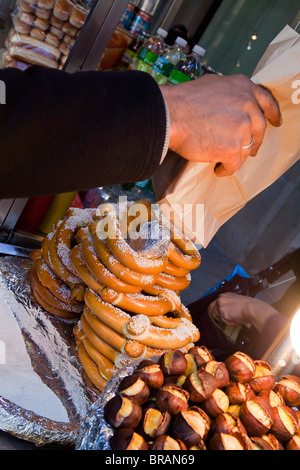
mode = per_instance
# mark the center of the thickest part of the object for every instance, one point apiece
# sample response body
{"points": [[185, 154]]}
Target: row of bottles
{"points": [[165, 63]]}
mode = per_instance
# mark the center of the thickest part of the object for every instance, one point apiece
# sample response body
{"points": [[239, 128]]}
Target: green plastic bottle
{"points": [[188, 68], [165, 63], [150, 51]]}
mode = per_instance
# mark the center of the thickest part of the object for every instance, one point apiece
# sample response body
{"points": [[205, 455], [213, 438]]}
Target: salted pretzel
{"points": [[66, 309], [118, 357], [48, 279], [182, 252], [106, 367], [140, 328], [52, 259], [121, 271], [141, 303], [99, 271], [123, 251], [82, 271], [175, 271], [172, 282], [89, 366], [72, 222]]}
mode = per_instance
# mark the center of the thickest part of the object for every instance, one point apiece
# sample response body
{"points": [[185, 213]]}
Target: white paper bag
{"points": [[197, 201]]}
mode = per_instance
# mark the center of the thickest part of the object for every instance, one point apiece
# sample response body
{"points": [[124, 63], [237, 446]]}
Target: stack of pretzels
{"points": [[127, 302]]}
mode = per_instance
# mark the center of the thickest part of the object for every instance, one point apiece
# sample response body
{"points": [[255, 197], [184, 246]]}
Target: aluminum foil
{"points": [[95, 432], [43, 395]]}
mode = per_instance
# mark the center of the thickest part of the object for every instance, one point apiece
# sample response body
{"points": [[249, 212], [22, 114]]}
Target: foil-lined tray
{"points": [[43, 395]]}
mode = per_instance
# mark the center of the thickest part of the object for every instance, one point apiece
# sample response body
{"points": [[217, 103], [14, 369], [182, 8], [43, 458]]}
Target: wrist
{"points": [[259, 313]]}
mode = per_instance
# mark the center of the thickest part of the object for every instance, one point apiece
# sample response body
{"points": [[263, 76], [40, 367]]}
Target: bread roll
{"points": [[57, 32], [56, 22], [64, 48], [62, 9], [78, 16], [42, 13], [69, 29], [52, 39], [68, 40], [27, 18], [46, 4], [38, 34], [21, 27], [41, 24], [26, 7]]}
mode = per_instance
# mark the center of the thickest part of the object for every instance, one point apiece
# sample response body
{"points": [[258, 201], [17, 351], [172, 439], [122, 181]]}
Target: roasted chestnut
{"points": [[122, 412], [173, 363], [172, 398], [285, 423], [263, 378], [150, 373], [191, 426], [228, 423], [167, 443], [127, 439], [219, 371], [200, 385], [293, 443], [133, 386], [256, 415], [201, 355], [241, 367], [154, 423], [217, 403], [239, 392], [234, 441], [289, 389]]}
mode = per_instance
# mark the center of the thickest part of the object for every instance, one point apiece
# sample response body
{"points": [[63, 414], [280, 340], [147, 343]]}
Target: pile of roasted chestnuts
{"points": [[193, 402]]}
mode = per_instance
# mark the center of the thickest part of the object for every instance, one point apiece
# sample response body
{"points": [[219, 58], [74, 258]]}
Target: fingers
{"points": [[268, 105]]}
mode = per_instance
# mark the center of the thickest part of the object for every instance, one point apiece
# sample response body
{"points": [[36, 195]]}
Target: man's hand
{"points": [[214, 117], [234, 309]]}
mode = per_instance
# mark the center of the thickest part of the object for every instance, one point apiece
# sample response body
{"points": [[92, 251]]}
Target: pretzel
{"points": [[175, 271], [182, 252], [121, 249], [106, 367], [139, 327], [48, 279], [114, 266], [115, 338], [173, 283], [82, 270], [52, 259], [70, 309], [49, 308], [120, 359], [139, 303], [100, 272], [89, 367], [73, 221]]}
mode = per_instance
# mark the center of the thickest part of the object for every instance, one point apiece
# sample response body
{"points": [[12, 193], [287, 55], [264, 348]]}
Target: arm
{"points": [[62, 132], [234, 309]]}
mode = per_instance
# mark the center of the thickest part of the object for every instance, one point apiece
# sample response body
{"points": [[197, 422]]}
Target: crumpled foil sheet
{"points": [[95, 432], [51, 348]]}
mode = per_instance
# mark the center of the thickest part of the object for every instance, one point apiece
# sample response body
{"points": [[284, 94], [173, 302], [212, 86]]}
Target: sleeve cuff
{"points": [[167, 137]]}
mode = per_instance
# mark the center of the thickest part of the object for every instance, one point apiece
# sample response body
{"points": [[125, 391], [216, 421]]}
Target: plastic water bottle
{"points": [[132, 51], [189, 67], [150, 51], [165, 63]]}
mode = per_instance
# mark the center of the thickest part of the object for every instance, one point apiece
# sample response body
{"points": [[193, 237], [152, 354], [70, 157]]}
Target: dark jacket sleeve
{"points": [[65, 132]]}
